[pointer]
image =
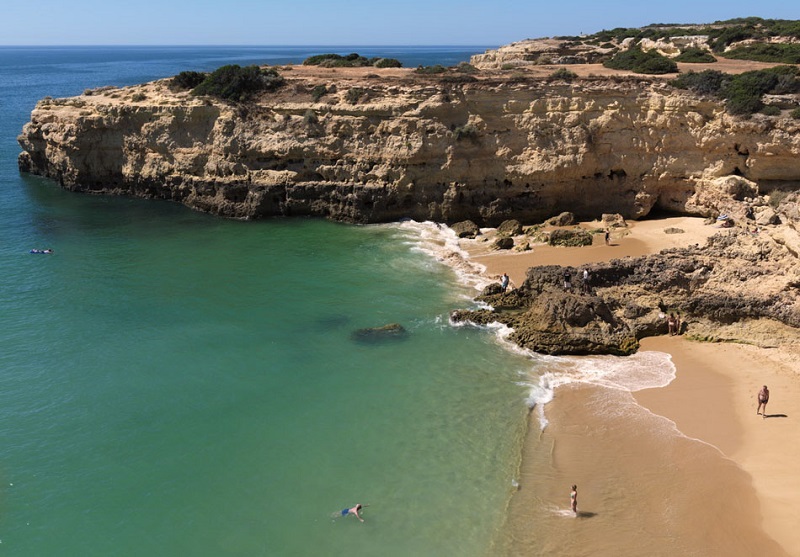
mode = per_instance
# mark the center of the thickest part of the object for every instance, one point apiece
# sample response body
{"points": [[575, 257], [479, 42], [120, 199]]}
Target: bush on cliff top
{"points": [[188, 80], [353, 60], [741, 92], [780, 53], [638, 61], [695, 56], [235, 83]]}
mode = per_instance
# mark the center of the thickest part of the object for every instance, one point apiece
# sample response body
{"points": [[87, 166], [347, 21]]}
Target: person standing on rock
{"points": [[763, 399], [567, 281], [504, 282], [586, 281]]}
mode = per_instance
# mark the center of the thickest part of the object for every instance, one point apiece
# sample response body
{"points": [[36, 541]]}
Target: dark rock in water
{"points": [[391, 331], [510, 228], [504, 243], [466, 229]]}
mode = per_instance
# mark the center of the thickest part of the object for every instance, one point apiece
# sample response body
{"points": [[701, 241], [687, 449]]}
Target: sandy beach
{"points": [[687, 469]]}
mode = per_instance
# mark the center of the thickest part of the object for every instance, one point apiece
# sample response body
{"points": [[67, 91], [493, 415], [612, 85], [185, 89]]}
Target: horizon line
{"points": [[303, 45]]}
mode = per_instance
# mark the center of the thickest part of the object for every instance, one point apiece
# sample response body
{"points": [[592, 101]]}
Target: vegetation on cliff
{"points": [[353, 60], [638, 61], [743, 92], [695, 56], [236, 83]]}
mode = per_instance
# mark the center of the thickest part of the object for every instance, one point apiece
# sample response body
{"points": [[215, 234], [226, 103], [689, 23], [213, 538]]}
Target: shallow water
{"points": [[174, 383]]}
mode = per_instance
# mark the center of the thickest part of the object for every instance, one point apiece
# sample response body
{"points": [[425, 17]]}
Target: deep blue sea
{"points": [[172, 383]]}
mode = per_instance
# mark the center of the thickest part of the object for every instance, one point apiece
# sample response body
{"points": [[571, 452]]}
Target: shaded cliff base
{"points": [[723, 482]]}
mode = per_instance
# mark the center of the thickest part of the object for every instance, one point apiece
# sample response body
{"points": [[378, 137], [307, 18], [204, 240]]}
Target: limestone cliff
{"points": [[390, 144]]}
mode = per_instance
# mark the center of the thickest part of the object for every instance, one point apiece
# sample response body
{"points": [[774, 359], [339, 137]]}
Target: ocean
{"points": [[172, 383]]}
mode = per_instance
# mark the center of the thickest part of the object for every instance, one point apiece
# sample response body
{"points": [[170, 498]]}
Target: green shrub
{"points": [[770, 110], [772, 52], [708, 82], [353, 60], [310, 117], [742, 92], [235, 83], [428, 70], [188, 80], [138, 97], [636, 60], [466, 68], [722, 37], [387, 63], [795, 113], [354, 95], [318, 92], [695, 56], [467, 131], [563, 73]]}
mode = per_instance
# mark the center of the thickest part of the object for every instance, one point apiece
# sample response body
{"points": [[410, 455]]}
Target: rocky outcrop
{"points": [[399, 149], [736, 278]]}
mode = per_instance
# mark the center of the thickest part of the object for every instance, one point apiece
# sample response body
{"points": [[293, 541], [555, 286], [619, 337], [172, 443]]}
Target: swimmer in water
{"points": [[354, 511]]}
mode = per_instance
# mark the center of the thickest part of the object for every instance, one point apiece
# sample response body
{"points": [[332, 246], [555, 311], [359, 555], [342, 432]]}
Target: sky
{"points": [[354, 22]]}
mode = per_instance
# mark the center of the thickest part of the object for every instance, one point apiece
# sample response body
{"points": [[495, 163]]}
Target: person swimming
{"points": [[354, 511]]}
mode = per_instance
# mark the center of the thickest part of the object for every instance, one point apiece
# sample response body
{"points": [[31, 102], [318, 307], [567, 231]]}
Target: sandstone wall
{"points": [[486, 150]]}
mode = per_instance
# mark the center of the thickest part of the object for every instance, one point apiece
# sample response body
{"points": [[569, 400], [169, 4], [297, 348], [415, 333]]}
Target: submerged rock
{"points": [[391, 331]]}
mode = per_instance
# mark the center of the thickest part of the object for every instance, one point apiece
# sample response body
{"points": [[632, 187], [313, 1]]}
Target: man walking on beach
{"points": [[763, 399], [504, 282]]}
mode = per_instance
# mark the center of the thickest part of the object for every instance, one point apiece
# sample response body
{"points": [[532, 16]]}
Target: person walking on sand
{"points": [[504, 282], [763, 399], [573, 499], [608, 237], [354, 511]]}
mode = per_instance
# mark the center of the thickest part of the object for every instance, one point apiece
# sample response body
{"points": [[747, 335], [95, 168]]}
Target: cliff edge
{"points": [[385, 144]]}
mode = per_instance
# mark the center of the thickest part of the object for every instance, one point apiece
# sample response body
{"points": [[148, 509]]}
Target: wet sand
{"points": [[688, 469]]}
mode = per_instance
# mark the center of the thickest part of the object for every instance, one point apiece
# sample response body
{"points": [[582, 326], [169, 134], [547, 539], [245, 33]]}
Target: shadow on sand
{"points": [[775, 416]]}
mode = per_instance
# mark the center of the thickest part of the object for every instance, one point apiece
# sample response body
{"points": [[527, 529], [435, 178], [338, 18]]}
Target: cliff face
{"points": [[379, 149]]}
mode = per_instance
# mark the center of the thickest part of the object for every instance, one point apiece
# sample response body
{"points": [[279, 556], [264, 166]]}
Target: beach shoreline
{"points": [[726, 458]]}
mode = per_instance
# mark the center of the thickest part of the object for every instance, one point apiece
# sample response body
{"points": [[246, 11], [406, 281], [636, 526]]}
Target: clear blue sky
{"points": [[355, 22]]}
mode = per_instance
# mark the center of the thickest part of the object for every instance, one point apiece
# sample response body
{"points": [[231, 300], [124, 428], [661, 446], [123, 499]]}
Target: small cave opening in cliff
{"points": [[617, 174]]}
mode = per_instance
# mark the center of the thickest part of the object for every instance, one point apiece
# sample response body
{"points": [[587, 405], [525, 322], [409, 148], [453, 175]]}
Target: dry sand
{"points": [[726, 482]]}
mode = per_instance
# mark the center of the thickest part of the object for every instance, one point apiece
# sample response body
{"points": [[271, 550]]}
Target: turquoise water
{"points": [[176, 384]]}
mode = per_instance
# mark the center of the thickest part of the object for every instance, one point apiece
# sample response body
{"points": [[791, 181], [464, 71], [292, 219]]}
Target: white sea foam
{"points": [[441, 243]]}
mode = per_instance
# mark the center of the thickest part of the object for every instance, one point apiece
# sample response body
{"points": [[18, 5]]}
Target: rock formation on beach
{"points": [[738, 281]]}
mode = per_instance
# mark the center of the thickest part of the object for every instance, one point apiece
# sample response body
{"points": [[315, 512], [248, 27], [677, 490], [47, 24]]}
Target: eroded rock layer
{"points": [[383, 147]]}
